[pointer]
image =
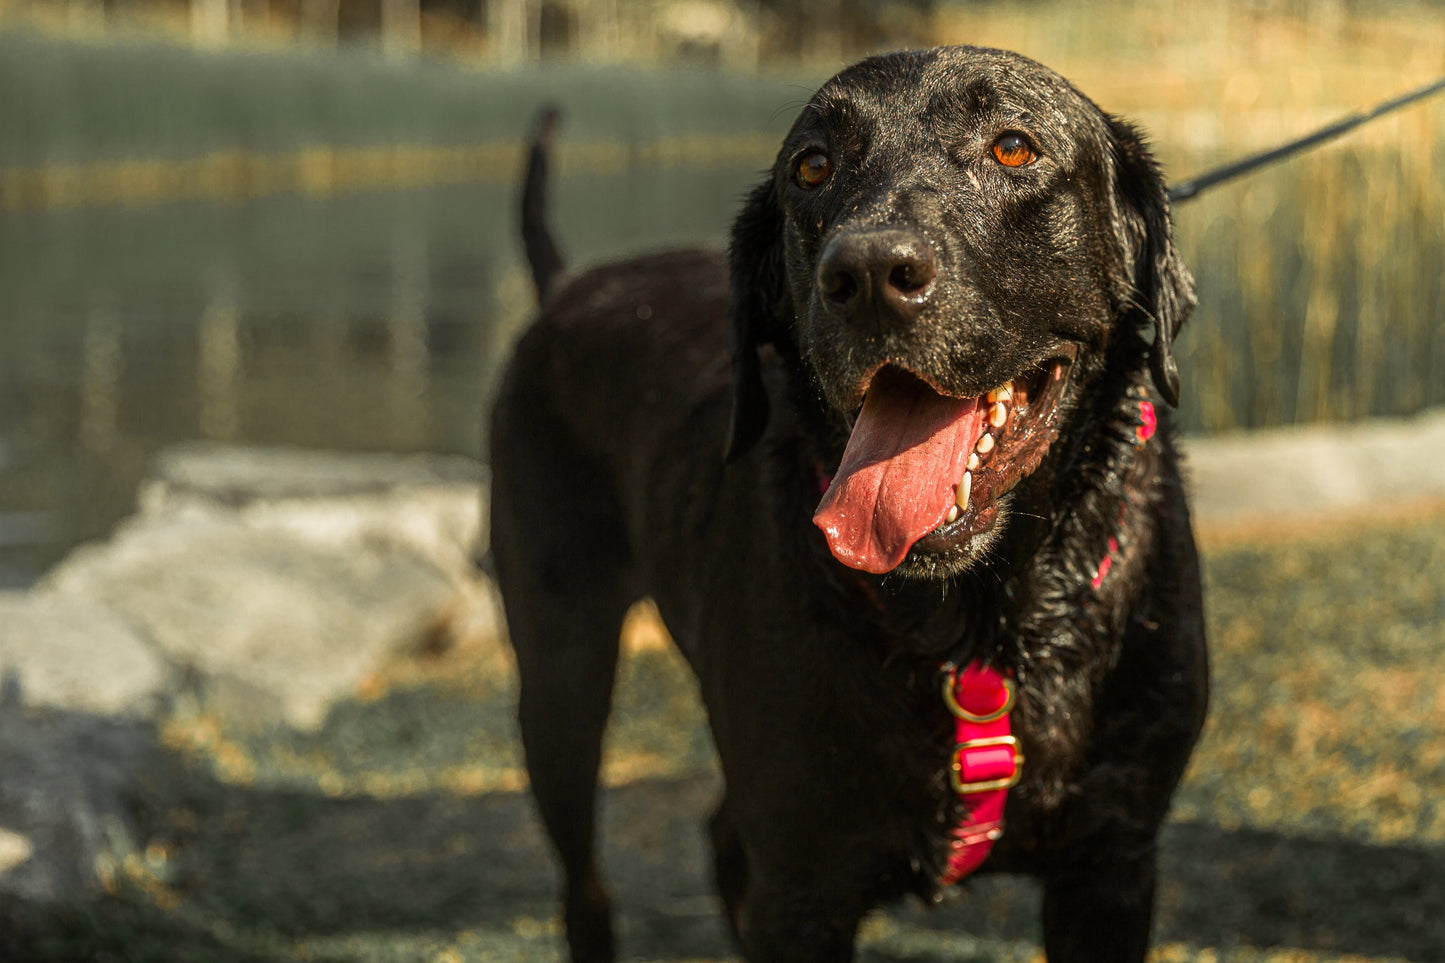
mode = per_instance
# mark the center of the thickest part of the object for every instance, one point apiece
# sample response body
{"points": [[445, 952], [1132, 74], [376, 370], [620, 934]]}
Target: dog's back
{"points": [[588, 397]]}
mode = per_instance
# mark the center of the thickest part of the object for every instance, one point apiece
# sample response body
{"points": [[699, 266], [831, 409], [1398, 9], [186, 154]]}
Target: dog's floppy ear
{"points": [[1162, 286], [755, 258]]}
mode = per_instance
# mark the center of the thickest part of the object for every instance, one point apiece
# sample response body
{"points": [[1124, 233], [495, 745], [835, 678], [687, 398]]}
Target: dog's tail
{"points": [[542, 253]]}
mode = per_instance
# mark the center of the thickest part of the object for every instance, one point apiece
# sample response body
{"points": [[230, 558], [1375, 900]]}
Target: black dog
{"points": [[948, 311]]}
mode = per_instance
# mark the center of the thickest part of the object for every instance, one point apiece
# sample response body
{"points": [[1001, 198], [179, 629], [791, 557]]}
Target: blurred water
{"points": [[377, 319], [370, 321]]}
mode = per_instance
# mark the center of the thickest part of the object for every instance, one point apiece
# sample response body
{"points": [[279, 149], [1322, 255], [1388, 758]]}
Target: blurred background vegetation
{"points": [[290, 221]]}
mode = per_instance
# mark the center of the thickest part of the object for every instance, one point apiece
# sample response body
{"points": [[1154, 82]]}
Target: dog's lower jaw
{"points": [[921, 564]]}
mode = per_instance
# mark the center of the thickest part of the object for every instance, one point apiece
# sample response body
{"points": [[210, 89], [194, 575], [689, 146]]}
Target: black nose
{"points": [[883, 274]]}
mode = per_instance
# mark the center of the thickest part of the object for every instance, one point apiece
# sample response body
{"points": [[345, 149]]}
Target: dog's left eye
{"points": [[1012, 149], [814, 168]]}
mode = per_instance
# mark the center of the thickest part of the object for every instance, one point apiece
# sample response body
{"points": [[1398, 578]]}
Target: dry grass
{"points": [[1308, 829]]}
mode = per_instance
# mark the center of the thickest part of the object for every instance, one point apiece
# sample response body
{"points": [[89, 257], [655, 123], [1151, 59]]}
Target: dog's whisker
{"points": [[792, 105]]}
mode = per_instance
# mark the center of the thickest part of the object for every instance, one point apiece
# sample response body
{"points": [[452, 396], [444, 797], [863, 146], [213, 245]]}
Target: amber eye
{"points": [[1013, 150], [813, 169]]}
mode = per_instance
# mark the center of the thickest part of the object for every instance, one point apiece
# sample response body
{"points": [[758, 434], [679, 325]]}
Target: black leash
{"points": [[1187, 190]]}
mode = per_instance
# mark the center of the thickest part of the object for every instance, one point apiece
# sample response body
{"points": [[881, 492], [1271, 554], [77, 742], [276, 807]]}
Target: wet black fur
{"points": [[821, 683], [542, 254]]}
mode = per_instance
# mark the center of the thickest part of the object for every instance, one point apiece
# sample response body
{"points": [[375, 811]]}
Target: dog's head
{"points": [[948, 244]]}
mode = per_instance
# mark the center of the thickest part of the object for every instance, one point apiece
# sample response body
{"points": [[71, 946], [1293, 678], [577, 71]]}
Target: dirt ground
{"points": [[1311, 826]]}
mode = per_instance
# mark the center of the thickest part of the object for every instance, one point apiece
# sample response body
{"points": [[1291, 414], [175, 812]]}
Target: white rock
{"points": [[14, 850], [276, 581], [75, 654], [267, 624]]}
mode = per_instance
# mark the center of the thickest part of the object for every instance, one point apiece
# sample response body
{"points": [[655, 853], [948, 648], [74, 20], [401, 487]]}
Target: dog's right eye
{"points": [[814, 168], [1012, 149]]}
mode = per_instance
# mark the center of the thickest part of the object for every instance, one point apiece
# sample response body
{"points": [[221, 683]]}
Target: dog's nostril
{"points": [[912, 268], [910, 277]]}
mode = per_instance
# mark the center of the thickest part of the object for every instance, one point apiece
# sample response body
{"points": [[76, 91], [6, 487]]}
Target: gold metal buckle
{"points": [[950, 699], [955, 769]]}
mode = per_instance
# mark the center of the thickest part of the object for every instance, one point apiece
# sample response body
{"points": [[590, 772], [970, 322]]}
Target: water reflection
{"points": [[218, 364], [100, 374], [367, 322]]}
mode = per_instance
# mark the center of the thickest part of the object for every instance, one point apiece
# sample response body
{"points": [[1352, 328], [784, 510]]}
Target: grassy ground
{"points": [[1311, 826]]}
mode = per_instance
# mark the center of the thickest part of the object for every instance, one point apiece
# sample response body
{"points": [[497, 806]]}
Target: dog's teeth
{"points": [[960, 500], [998, 414], [1002, 393], [952, 514], [985, 444], [972, 461]]}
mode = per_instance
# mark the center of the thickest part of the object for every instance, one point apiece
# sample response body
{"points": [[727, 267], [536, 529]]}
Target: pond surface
{"points": [[371, 321]]}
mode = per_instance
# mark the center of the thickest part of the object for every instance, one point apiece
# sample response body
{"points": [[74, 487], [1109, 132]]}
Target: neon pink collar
{"points": [[986, 761]]}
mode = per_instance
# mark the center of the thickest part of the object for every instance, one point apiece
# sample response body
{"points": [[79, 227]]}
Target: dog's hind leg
{"points": [[730, 866], [567, 664], [563, 571]]}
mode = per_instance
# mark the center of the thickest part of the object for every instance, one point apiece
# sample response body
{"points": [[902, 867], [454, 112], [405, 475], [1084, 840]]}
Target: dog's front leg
{"points": [[1100, 914], [791, 922]]}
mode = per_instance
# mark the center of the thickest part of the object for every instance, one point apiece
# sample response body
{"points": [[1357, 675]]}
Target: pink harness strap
{"points": [[986, 761]]}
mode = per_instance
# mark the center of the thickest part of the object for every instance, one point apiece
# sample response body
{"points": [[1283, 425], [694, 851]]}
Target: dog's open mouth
{"points": [[924, 472]]}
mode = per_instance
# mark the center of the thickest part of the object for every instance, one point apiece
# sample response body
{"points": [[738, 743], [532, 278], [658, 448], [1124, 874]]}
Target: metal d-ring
{"points": [[950, 699]]}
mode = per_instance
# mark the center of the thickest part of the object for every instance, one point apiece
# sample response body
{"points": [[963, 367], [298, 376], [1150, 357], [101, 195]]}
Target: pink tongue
{"points": [[895, 485]]}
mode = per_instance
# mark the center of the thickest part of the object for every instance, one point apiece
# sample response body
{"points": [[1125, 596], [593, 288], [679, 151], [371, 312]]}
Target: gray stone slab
{"points": [[72, 653], [238, 474], [269, 626], [1297, 474], [67, 800], [275, 581]]}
